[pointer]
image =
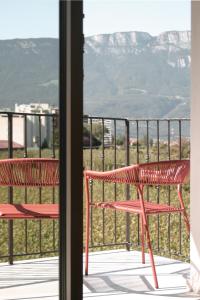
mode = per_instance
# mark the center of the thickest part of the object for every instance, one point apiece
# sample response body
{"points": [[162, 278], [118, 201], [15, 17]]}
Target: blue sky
{"points": [[28, 18], [39, 18], [107, 16]]}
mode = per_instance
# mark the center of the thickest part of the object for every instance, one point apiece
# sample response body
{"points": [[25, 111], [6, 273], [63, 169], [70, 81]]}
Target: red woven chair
{"points": [[29, 172], [174, 172]]}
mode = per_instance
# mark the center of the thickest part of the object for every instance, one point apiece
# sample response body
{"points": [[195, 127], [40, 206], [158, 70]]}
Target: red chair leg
{"points": [[185, 216], [151, 256], [187, 223], [146, 228], [87, 231], [142, 237]]}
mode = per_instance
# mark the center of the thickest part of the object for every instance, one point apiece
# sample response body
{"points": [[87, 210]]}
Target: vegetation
{"points": [[108, 226]]}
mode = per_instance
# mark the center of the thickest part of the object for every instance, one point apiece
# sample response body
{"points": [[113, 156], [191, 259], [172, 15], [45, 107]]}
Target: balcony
{"points": [[114, 272]]}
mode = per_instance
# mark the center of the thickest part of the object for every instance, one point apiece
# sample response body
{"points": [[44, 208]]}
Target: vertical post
{"points": [[138, 160], [40, 189], [10, 189], [127, 124], [103, 189], [91, 183], [25, 194], [169, 190], [115, 186], [71, 165], [195, 154], [53, 155], [180, 215], [158, 190]]}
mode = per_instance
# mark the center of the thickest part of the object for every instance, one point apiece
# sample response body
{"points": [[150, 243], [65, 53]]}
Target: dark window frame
{"points": [[71, 164]]}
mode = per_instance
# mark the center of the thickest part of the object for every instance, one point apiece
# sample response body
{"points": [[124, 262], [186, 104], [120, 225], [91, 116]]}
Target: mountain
{"points": [[136, 75], [127, 74], [28, 71]]}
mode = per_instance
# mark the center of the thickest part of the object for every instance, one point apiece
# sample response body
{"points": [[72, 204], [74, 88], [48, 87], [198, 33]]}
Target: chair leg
{"points": [[185, 216], [151, 255], [87, 232], [142, 237], [146, 228], [187, 223]]}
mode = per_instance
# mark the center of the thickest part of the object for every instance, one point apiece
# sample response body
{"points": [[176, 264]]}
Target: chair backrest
{"points": [[29, 172], [164, 172], [155, 173]]}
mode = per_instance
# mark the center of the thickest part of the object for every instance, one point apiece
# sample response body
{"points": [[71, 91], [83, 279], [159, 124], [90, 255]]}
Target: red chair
{"points": [[29, 172], [175, 172]]}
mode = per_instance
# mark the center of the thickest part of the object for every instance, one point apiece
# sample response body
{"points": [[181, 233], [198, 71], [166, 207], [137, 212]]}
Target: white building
{"points": [[107, 129], [18, 128], [37, 127]]}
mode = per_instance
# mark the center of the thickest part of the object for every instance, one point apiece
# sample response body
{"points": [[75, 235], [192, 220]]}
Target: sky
{"points": [[108, 16], [39, 18]]}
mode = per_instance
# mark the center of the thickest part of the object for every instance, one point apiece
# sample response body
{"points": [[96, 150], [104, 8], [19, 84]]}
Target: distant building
{"points": [[107, 127], [38, 128], [18, 129]]}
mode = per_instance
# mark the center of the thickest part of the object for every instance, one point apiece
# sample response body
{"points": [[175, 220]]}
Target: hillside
{"points": [[28, 71], [136, 75], [130, 74]]}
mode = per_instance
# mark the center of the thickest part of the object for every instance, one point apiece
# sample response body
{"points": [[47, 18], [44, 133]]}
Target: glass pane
{"points": [[29, 68]]}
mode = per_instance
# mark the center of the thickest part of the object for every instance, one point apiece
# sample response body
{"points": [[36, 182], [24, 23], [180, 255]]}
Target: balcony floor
{"points": [[113, 275]]}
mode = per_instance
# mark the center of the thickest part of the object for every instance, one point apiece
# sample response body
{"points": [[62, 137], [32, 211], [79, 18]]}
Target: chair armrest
{"points": [[128, 175]]}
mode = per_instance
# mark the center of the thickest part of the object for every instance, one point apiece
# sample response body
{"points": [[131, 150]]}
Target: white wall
{"points": [[18, 129], [195, 151]]}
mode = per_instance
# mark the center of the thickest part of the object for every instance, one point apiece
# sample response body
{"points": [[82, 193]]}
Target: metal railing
{"points": [[135, 141], [108, 143], [28, 135]]}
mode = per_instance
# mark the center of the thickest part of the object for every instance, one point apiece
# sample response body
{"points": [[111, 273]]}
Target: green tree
{"points": [[97, 130]]}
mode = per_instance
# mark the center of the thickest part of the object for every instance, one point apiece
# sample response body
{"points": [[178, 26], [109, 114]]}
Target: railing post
{"points": [[10, 189], [127, 124]]}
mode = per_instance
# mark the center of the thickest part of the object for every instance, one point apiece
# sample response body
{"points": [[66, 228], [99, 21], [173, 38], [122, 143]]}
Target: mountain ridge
{"points": [[131, 74]]}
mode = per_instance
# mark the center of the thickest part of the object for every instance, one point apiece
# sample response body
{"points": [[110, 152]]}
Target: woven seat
{"points": [[29, 211], [135, 207], [29, 172], [175, 172]]}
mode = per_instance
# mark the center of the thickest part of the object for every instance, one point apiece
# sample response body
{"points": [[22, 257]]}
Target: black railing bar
{"points": [[27, 114], [159, 119], [169, 190], [95, 117], [147, 153], [40, 189], [28, 254], [10, 189], [103, 185], [137, 119], [25, 190], [105, 118], [108, 245], [127, 134], [53, 136], [91, 183], [115, 186], [138, 159], [53, 123], [180, 157], [158, 190]]}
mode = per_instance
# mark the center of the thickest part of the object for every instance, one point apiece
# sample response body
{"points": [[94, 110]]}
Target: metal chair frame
{"points": [[174, 172]]}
